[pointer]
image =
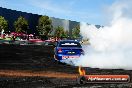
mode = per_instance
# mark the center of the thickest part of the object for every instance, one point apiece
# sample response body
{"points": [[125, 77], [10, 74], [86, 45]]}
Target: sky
{"points": [[89, 11]]}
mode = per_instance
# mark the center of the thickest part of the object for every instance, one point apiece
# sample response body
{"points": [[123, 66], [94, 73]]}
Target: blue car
{"points": [[67, 49]]}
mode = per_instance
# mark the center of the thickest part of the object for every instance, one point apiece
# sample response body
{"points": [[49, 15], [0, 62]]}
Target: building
{"points": [[12, 15]]}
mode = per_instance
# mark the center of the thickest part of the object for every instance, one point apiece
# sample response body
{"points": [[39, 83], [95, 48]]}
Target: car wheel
{"points": [[81, 80]]}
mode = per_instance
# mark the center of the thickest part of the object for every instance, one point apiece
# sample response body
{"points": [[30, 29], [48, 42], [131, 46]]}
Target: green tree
{"points": [[60, 33], [21, 24], [3, 24], [64, 34], [76, 32], [44, 25]]}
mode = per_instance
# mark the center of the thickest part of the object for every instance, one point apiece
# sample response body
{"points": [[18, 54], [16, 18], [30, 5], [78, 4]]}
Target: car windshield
{"points": [[69, 44]]}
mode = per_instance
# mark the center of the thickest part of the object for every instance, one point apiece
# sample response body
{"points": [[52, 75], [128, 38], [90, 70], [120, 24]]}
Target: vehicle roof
{"points": [[68, 40]]}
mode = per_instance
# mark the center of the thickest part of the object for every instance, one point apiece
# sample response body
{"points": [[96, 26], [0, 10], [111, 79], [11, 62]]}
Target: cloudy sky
{"points": [[90, 11]]}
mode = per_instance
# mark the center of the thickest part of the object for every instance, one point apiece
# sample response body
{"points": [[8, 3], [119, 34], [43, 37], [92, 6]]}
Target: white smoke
{"points": [[110, 46], [65, 24]]}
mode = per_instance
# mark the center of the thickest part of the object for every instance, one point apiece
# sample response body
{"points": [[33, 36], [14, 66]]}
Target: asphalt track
{"points": [[32, 66]]}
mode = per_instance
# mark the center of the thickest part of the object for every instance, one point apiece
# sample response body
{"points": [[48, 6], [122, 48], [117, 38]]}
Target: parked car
{"points": [[49, 43]]}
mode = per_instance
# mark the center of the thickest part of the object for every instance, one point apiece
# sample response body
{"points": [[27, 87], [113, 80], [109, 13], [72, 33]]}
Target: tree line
{"points": [[44, 28]]}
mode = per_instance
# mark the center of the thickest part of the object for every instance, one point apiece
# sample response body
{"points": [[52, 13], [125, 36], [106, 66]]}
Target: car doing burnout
{"points": [[67, 49]]}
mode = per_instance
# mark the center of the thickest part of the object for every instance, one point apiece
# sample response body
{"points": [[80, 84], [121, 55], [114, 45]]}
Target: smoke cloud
{"points": [[110, 46]]}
